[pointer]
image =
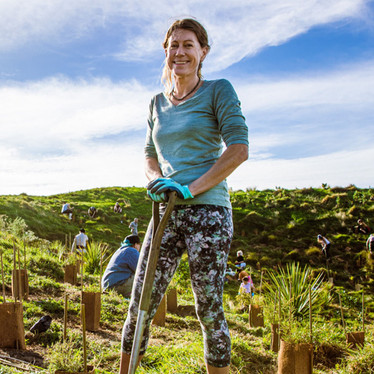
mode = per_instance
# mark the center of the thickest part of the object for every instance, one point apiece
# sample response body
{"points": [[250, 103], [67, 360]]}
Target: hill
{"points": [[272, 228]]}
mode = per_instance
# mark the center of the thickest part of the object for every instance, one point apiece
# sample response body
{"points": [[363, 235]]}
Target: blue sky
{"points": [[76, 79]]}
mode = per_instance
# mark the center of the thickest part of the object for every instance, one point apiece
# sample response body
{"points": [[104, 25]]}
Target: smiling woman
{"points": [[185, 50], [187, 126]]}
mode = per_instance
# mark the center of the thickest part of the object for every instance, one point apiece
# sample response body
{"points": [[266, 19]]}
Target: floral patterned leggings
{"points": [[206, 232]]}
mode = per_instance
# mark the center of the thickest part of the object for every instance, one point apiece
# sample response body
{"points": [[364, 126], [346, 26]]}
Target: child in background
{"points": [[247, 284]]}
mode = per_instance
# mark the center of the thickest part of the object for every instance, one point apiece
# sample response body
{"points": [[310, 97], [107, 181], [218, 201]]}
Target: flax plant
{"points": [[92, 257], [292, 282]]}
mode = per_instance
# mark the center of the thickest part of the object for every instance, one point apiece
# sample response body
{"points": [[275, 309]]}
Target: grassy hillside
{"points": [[273, 228], [42, 213]]}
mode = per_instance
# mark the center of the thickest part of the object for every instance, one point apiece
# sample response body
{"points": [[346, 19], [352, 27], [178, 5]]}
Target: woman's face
{"points": [[184, 53]]}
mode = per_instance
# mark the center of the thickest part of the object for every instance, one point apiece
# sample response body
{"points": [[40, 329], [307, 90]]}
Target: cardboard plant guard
{"points": [[70, 275], [256, 318], [172, 301], [12, 332], [295, 358], [160, 317], [275, 337], [20, 278], [92, 302]]}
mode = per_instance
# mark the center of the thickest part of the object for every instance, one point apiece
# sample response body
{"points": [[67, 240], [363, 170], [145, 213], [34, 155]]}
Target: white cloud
{"points": [[25, 21], [59, 135], [348, 85], [88, 167], [319, 113], [62, 114], [338, 169], [237, 28]]}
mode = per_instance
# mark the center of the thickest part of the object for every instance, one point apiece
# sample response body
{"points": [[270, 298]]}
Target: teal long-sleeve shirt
{"points": [[187, 139]]}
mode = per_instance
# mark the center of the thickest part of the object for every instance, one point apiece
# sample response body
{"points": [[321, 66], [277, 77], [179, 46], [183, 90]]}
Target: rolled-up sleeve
{"points": [[149, 148], [231, 120]]}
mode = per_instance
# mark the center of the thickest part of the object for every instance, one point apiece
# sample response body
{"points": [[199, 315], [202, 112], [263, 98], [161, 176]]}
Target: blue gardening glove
{"points": [[158, 198], [151, 184], [162, 185]]}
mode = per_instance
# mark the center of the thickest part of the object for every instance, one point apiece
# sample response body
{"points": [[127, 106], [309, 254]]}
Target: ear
{"points": [[205, 51]]}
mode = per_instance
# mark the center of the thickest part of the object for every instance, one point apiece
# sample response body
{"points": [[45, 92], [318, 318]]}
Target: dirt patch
{"points": [[186, 310], [22, 357], [327, 355]]}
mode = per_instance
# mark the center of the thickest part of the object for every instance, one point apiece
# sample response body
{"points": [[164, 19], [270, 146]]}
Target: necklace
{"points": [[172, 92]]}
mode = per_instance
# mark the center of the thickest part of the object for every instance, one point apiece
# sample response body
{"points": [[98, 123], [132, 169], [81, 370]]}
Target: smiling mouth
{"points": [[180, 62]]}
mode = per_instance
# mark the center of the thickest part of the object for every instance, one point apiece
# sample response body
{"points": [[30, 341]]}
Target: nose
{"points": [[179, 51]]}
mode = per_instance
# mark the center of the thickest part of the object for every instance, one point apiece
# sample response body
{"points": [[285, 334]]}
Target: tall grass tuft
{"points": [[293, 284], [92, 257]]}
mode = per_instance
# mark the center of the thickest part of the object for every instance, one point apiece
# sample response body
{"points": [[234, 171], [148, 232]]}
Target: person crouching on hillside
{"points": [[239, 262], [68, 210], [325, 244], [119, 274]]}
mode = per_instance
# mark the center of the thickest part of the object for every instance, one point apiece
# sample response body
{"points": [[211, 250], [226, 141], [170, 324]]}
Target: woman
{"points": [[183, 153]]}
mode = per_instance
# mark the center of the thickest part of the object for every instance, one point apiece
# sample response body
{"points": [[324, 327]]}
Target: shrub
{"points": [[95, 253], [293, 283]]}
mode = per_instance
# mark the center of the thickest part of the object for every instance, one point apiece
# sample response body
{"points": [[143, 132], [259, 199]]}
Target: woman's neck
{"points": [[185, 87]]}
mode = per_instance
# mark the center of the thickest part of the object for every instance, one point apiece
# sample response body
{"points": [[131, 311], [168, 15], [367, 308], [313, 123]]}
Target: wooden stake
{"points": [[2, 275], [19, 277], [101, 267], [280, 317], [341, 312], [83, 316], [250, 277], [82, 273], [290, 309], [310, 314], [24, 254], [363, 312], [275, 305], [14, 267], [65, 316], [261, 283]]}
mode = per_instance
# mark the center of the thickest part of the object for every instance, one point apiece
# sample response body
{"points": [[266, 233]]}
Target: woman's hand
{"points": [[160, 186]]}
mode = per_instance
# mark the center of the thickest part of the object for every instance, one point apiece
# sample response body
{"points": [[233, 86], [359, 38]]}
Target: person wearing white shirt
{"points": [[80, 241]]}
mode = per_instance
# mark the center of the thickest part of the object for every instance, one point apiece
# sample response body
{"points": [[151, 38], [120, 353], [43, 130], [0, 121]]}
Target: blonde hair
{"points": [[202, 37]]}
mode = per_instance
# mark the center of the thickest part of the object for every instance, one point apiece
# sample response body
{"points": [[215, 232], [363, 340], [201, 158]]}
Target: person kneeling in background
{"points": [[119, 274]]}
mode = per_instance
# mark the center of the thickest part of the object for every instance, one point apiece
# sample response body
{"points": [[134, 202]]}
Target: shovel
{"points": [[145, 299]]}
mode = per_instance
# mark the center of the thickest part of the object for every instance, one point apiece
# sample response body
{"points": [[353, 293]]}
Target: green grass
{"points": [[272, 228]]}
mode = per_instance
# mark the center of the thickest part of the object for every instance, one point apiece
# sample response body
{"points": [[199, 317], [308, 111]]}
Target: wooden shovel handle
{"points": [[158, 232]]}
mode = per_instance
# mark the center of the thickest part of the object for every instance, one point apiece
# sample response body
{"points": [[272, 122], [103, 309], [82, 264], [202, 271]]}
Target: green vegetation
{"points": [[275, 229]]}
